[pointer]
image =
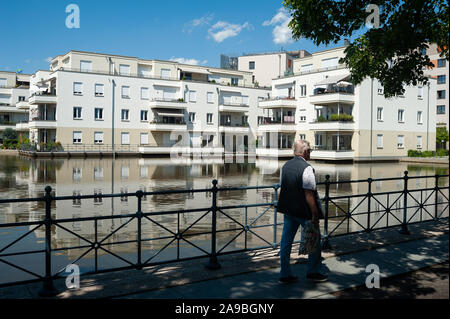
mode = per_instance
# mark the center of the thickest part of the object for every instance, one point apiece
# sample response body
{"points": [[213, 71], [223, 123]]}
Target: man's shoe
{"points": [[317, 277], [288, 280]]}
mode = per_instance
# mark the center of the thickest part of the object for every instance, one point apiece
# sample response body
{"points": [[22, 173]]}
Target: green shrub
{"points": [[321, 119], [442, 152], [414, 153], [428, 153]]}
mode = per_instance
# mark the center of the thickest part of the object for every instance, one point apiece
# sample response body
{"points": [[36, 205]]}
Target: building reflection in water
{"points": [[24, 177]]}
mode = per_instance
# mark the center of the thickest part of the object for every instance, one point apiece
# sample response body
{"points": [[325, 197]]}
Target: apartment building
{"points": [[344, 121], [440, 73], [14, 92], [153, 104], [268, 66]]}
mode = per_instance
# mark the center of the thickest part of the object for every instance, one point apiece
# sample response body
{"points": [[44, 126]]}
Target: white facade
{"points": [[343, 121]]}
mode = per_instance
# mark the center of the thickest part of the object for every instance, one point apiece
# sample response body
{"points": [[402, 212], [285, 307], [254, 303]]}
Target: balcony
{"points": [[334, 93], [168, 123], [168, 103], [287, 124], [278, 103], [22, 126], [11, 109], [233, 107], [335, 122], [23, 105], [237, 128], [331, 153], [274, 152], [47, 124], [42, 98]]}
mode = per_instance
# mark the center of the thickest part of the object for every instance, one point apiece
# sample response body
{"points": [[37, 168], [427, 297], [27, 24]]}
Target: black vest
{"points": [[292, 199]]}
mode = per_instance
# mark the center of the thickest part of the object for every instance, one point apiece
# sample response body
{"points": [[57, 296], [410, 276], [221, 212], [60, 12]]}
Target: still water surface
{"points": [[26, 178]]}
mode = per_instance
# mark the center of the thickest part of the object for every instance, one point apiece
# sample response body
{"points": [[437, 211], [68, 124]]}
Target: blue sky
{"points": [[195, 31]]}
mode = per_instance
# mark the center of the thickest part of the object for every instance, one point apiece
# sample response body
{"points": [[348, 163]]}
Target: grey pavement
{"points": [[344, 272]]}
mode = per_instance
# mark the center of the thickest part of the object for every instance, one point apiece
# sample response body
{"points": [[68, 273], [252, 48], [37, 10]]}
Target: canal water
{"points": [[22, 177]]}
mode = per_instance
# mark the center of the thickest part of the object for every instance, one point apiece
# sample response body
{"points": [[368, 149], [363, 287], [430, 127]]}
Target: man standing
{"points": [[298, 204]]}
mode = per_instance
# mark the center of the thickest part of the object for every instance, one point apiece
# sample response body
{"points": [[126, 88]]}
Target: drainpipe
{"points": [[113, 85], [428, 111], [371, 116]]}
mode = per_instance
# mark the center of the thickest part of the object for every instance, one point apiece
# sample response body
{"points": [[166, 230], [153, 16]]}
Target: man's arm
{"points": [[311, 201]]}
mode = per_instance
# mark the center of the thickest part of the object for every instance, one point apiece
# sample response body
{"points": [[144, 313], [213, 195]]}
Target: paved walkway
{"points": [[254, 275]]}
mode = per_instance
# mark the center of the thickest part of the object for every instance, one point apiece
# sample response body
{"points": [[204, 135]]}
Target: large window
{"points": [[251, 65], [77, 137], [86, 66], [98, 137], [125, 115], [441, 109], [125, 92], [77, 113], [441, 94], [99, 89], [165, 73], [78, 88], [124, 69], [441, 79], [380, 114], [2, 83], [234, 81], [441, 63], [98, 114]]}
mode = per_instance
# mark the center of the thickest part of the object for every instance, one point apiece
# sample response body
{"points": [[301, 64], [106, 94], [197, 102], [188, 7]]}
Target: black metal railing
{"points": [[374, 206]]}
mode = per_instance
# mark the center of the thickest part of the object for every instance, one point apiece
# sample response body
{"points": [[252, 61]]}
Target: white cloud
{"points": [[191, 25], [282, 34], [223, 30], [48, 59]]}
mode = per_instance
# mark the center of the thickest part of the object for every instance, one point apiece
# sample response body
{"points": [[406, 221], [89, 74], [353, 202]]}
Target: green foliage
{"points": [[321, 119], [405, 29], [442, 152], [416, 153], [9, 134], [341, 117], [441, 135]]}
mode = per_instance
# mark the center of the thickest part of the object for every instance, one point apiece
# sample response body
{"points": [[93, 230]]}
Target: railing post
{"points": [[404, 230], [139, 195], [326, 244], [48, 289], [213, 264], [275, 220], [436, 191], [369, 195]]}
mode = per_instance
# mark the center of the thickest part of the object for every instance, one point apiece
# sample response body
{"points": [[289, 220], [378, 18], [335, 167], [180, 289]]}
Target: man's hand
{"points": [[311, 201]]}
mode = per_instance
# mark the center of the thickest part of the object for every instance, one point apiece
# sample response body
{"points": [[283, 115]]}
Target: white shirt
{"points": [[308, 177]]}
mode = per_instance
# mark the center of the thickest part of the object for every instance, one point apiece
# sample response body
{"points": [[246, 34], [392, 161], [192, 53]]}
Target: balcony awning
{"points": [[194, 70], [170, 114], [333, 79]]}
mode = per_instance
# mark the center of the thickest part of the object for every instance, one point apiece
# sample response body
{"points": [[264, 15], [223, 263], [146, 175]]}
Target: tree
{"points": [[441, 135], [391, 52], [9, 134]]}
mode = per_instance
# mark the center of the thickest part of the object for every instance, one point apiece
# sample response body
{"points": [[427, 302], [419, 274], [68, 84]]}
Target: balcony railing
{"points": [[349, 89], [175, 121], [286, 120], [343, 148], [343, 117], [398, 209]]}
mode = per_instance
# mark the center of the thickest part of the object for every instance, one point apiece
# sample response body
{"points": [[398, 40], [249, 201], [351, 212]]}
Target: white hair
{"points": [[301, 146]]}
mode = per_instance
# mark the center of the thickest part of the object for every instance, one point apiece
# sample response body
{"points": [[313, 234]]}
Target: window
{"points": [[441, 109], [165, 73], [125, 115], [98, 173], [144, 138], [302, 118], [441, 94], [251, 65], [244, 119], [400, 141], [318, 139], [77, 113], [125, 138], [3, 83], [245, 100], [441, 79], [209, 118], [302, 90], [441, 63], [380, 141], [380, 88], [125, 92], [124, 69], [210, 97], [380, 114], [145, 94], [260, 120], [98, 137], [401, 114], [98, 114], [77, 88], [192, 96], [85, 66], [99, 89], [191, 117], [289, 64], [306, 68], [330, 63], [234, 81], [420, 92], [302, 136], [77, 137], [144, 115], [419, 141], [419, 117], [21, 98]]}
